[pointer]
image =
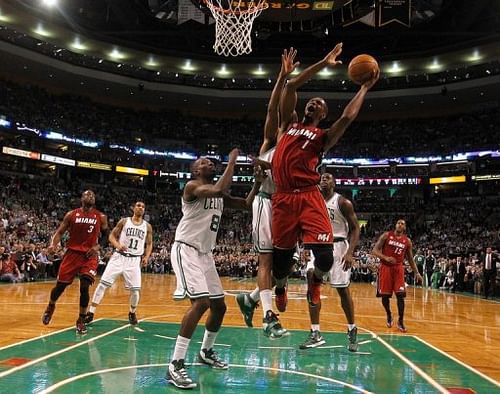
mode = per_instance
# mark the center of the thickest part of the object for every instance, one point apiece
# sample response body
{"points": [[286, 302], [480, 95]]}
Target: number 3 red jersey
{"points": [[84, 229], [297, 157], [396, 246]]}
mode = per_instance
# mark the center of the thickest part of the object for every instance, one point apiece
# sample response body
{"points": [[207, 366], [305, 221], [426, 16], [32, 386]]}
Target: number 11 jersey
{"points": [[134, 236]]}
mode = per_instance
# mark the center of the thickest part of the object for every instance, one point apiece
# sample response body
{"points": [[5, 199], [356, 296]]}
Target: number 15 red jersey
{"points": [[396, 246]]}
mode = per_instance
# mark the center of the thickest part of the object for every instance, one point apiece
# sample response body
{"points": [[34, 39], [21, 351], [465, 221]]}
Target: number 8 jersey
{"points": [[134, 236], [200, 223]]}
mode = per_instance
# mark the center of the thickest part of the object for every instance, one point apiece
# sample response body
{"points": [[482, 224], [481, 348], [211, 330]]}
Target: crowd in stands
{"points": [[444, 230], [75, 116]]}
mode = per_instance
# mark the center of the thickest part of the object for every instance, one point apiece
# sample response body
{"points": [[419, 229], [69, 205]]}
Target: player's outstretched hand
{"points": [[418, 278], [122, 248], [233, 155], [348, 262], [288, 63], [93, 251], [265, 165], [331, 58], [373, 80]]}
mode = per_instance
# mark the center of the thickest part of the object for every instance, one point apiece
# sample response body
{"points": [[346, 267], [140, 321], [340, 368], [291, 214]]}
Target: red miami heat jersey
{"points": [[84, 228], [297, 156], [396, 246]]}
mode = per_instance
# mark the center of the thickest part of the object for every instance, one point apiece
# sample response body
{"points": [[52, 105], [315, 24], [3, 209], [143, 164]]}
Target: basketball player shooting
{"points": [[299, 210]]}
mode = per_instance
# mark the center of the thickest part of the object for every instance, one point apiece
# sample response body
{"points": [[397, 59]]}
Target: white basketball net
{"points": [[233, 24]]}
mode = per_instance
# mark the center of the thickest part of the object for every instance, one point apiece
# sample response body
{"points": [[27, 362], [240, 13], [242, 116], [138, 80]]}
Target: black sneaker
{"points": [[247, 307], [211, 358], [272, 326], [314, 340], [401, 326], [177, 375], [81, 328], [132, 318], [389, 321], [352, 335], [89, 318], [47, 315]]}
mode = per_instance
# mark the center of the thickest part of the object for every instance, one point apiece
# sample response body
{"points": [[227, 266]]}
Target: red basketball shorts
{"points": [[391, 279], [300, 216], [75, 263]]}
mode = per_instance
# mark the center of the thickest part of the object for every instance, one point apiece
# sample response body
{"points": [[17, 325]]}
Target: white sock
{"points": [[98, 295], [208, 339], [134, 299], [181, 347], [315, 327], [255, 294], [266, 298], [351, 326]]}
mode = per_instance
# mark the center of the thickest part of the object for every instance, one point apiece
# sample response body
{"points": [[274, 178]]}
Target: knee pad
{"points": [[282, 262], [323, 257]]}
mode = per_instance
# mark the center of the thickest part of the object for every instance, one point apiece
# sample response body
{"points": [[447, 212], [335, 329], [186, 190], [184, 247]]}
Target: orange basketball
{"points": [[361, 68]]}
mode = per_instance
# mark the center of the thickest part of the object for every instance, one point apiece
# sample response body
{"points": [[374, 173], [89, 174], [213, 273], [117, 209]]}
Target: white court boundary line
{"points": [[50, 355], [418, 370], [40, 337], [472, 369], [78, 377]]}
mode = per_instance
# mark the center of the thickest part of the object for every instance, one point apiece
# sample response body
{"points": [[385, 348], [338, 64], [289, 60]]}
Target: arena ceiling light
{"points": [[49, 3], [435, 65], [395, 68], [188, 66], [223, 71], [326, 72], [475, 56], [78, 45], [152, 62], [41, 30], [116, 54], [259, 71], [4, 18]]}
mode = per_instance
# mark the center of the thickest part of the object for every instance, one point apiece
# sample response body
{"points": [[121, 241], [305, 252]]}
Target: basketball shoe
{"points": [[178, 376], [401, 326], [211, 358], [272, 327], [247, 307], [314, 340], [81, 328], [132, 318], [47, 315], [89, 318], [352, 336], [389, 321]]}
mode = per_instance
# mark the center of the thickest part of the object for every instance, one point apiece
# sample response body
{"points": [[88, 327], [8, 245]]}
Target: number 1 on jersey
{"points": [[133, 245]]}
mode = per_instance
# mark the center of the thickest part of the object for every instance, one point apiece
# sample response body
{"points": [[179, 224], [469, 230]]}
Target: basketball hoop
{"points": [[233, 24]]}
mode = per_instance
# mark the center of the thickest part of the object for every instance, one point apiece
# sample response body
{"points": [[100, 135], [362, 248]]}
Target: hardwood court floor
{"points": [[465, 327]]}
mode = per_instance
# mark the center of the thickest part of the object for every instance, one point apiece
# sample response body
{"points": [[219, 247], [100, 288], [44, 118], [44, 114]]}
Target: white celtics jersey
{"points": [[134, 237], [268, 183], [200, 222], [339, 222]]}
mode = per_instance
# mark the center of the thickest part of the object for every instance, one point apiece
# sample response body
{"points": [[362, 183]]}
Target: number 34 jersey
{"points": [[134, 236], [200, 223]]}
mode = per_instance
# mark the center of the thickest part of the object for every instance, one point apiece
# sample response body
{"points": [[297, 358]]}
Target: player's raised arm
{"points": [[377, 250], [271, 125], [114, 236], [411, 260], [196, 188], [56, 238], [149, 246], [288, 99], [348, 211], [351, 111]]}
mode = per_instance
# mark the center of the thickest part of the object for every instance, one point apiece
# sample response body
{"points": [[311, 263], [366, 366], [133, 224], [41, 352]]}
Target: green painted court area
{"points": [[116, 358]]}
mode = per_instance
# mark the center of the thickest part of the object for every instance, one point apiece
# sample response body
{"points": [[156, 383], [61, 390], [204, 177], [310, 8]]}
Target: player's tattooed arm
{"points": [[115, 235], [149, 246], [377, 250]]}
